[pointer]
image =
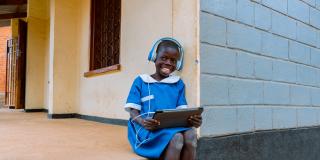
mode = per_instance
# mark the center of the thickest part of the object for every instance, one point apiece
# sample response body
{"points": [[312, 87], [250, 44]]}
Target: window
{"points": [[105, 36]]}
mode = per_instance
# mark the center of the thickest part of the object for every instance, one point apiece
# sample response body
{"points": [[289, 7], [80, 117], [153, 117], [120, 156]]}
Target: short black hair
{"points": [[167, 43]]}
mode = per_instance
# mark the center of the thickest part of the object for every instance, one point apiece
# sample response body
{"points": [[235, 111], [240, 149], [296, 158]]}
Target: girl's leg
{"points": [[174, 147], [190, 145]]}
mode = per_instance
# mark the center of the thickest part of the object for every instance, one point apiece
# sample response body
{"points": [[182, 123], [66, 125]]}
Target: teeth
{"points": [[165, 70]]}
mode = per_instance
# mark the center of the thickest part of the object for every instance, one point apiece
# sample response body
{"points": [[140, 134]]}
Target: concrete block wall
{"points": [[260, 65]]}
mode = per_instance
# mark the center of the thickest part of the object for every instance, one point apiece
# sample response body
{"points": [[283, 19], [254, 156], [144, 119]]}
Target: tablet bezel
{"points": [[169, 118]]}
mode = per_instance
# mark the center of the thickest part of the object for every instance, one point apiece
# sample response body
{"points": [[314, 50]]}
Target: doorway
{"points": [[16, 69], [5, 34]]}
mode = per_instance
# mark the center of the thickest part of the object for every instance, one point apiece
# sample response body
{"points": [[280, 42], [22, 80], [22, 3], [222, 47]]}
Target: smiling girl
{"points": [[161, 90]]}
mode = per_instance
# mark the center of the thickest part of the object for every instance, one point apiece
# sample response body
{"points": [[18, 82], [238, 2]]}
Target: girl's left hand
{"points": [[195, 120]]}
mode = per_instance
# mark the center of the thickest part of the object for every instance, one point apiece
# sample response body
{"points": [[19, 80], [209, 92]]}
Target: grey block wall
{"points": [[260, 65]]}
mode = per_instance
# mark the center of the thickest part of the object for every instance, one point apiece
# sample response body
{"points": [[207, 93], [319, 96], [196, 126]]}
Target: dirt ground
{"points": [[32, 136]]}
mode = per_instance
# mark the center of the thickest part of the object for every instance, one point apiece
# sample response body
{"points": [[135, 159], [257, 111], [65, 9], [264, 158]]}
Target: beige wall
{"points": [[37, 49], [143, 21], [67, 59], [63, 58], [186, 28]]}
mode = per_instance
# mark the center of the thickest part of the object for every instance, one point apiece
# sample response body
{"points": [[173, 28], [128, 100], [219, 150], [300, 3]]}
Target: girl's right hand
{"points": [[150, 124]]}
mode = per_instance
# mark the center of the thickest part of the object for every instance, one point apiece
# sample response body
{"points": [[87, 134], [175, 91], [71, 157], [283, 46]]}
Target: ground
{"points": [[32, 136]]}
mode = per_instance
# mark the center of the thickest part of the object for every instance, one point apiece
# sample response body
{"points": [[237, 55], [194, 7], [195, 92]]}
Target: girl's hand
{"points": [[150, 124], [195, 120]]}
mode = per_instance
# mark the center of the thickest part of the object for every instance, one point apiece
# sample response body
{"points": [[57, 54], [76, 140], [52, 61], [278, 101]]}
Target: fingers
{"points": [[195, 123], [197, 116], [150, 124], [195, 120]]}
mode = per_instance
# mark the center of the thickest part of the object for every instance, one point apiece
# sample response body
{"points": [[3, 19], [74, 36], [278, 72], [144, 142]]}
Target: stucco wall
{"points": [[260, 65], [142, 22], [37, 51], [186, 28], [63, 63], [68, 91]]}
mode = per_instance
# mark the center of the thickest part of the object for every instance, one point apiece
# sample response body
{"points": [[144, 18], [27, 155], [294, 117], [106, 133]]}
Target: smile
{"points": [[166, 70]]}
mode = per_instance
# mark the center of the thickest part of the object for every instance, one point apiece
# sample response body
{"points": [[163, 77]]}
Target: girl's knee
{"points": [[190, 138], [177, 141]]}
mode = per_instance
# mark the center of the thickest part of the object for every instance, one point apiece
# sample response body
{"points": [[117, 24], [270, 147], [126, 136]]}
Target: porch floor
{"points": [[32, 136]]}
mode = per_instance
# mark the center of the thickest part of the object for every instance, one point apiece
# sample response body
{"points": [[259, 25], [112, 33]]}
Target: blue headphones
{"points": [[153, 52]]}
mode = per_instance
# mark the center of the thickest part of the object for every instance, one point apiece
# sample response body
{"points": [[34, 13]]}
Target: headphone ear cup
{"points": [[150, 55], [154, 56], [180, 61], [178, 66]]}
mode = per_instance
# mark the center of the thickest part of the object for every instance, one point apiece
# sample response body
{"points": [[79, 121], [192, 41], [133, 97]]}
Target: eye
{"points": [[163, 58]]}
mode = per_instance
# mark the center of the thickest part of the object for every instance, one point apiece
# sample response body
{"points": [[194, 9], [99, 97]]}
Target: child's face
{"points": [[166, 61]]}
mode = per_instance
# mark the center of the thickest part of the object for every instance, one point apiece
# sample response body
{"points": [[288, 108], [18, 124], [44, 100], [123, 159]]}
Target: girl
{"points": [[161, 90]]}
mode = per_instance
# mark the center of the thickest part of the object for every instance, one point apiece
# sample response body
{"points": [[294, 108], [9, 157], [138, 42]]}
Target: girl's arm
{"points": [[134, 115], [149, 124]]}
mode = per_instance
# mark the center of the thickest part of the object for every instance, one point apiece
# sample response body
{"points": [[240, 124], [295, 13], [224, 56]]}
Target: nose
{"points": [[169, 62]]}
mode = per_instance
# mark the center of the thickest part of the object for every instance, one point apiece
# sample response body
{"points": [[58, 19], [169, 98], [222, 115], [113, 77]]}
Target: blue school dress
{"points": [[149, 95]]}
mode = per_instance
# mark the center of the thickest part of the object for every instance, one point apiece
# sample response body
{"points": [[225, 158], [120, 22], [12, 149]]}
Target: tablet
{"points": [[175, 117]]}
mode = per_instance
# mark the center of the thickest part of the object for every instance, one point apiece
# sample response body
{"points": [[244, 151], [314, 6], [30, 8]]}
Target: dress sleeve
{"points": [[134, 97], [182, 102]]}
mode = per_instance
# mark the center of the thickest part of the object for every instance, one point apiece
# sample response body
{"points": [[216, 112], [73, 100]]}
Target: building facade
{"points": [[254, 65]]}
